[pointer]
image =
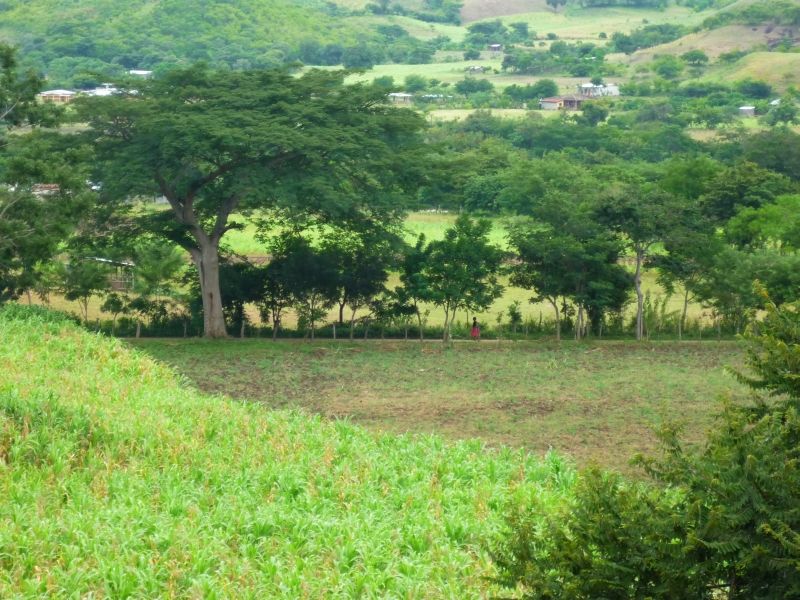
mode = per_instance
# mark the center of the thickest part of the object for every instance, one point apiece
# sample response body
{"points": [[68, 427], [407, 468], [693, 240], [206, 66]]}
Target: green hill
{"points": [[63, 37], [781, 70], [118, 480]]}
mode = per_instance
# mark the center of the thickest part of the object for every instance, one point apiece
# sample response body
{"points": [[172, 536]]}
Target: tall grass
{"points": [[119, 480]]}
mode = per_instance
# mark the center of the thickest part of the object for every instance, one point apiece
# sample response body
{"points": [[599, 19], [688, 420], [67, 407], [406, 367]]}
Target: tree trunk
{"points": [[185, 329], [341, 313], [206, 259], [352, 324], [637, 282], [276, 323], [554, 302], [30, 299], [419, 320], [579, 324], [241, 330], [334, 332], [682, 321], [138, 329]]}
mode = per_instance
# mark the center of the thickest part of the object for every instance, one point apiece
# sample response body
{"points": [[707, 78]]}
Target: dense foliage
{"points": [[215, 143], [723, 520], [645, 37], [98, 41]]}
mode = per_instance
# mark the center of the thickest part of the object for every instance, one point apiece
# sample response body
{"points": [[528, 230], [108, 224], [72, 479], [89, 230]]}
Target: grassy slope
{"points": [[713, 42], [593, 401], [116, 479], [476, 10], [588, 23], [781, 70]]}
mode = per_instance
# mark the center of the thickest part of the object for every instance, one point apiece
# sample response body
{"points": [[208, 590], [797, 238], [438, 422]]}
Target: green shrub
{"points": [[723, 522]]}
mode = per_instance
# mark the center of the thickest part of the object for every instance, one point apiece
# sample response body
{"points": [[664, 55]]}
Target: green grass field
{"points": [[456, 70], [118, 480], [595, 402]]}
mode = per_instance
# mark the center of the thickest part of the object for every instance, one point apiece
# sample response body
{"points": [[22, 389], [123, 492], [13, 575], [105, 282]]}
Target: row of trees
{"points": [[222, 147]]}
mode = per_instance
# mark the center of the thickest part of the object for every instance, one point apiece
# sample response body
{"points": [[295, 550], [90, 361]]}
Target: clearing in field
{"points": [[597, 402]]}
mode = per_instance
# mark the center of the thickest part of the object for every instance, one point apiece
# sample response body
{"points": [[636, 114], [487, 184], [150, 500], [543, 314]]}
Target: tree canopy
{"points": [[215, 143]]}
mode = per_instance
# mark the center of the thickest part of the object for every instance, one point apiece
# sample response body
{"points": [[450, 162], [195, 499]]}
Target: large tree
{"points": [[563, 254], [461, 269], [219, 143], [641, 214], [30, 225]]}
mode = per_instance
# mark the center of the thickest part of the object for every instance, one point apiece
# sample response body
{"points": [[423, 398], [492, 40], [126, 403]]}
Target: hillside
{"points": [[81, 44], [118, 480], [61, 37], [475, 10], [780, 70]]}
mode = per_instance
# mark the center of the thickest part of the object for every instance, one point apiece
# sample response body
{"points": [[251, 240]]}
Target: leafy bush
{"points": [[646, 37], [724, 522]]}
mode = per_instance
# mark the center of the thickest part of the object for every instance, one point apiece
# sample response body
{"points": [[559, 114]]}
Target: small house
{"points": [[598, 90], [747, 111], [121, 273], [554, 103], [401, 98], [106, 89], [573, 102], [495, 47], [42, 190], [57, 96]]}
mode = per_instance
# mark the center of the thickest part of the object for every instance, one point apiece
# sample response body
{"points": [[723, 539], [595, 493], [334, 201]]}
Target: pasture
{"points": [[780, 70], [596, 402]]}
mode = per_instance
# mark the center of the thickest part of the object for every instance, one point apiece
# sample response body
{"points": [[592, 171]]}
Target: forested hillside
{"points": [[79, 45], [110, 36]]}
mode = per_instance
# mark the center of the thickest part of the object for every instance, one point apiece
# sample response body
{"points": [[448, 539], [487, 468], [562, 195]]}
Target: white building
{"points": [[401, 98], [57, 96], [105, 89], [591, 90]]}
